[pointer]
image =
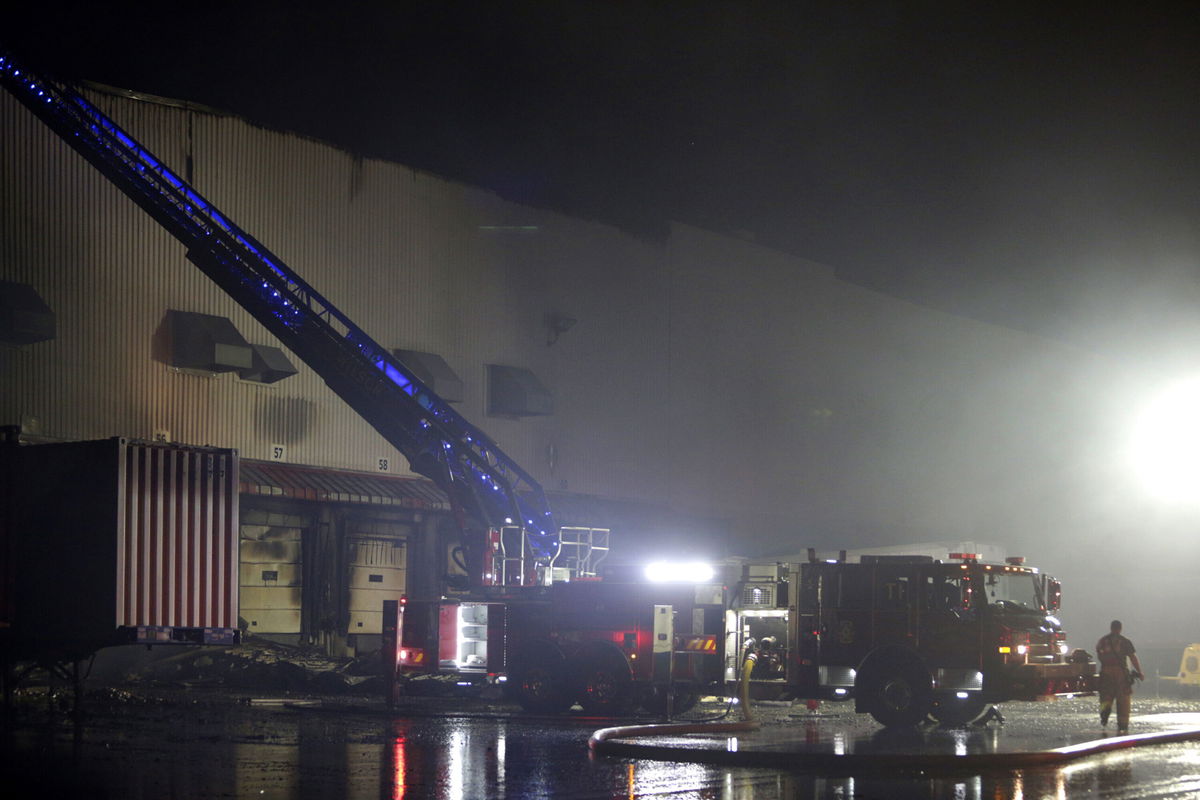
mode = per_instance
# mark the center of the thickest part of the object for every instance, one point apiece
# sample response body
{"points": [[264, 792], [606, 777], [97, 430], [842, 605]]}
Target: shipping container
{"points": [[119, 541]]}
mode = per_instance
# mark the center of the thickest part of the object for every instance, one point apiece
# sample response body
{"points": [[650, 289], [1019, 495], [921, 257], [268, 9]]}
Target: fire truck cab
{"points": [[907, 637]]}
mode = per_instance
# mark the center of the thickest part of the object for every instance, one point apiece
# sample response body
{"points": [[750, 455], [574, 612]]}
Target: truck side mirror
{"points": [[1053, 595]]}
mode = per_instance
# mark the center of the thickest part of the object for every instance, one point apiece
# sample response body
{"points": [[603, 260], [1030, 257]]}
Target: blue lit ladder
{"points": [[482, 483]]}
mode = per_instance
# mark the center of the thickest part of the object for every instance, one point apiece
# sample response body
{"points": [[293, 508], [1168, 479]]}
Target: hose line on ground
{"points": [[599, 741]]}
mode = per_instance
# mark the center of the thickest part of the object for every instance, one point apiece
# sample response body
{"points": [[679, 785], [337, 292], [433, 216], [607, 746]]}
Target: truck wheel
{"points": [[953, 712], [897, 695], [602, 683], [538, 679]]}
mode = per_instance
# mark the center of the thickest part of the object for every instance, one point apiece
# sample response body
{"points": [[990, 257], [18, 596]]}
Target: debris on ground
{"points": [[261, 665], [125, 675]]}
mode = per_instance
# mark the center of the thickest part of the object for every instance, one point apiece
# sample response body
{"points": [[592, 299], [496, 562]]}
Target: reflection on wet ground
{"points": [[836, 735], [212, 747]]}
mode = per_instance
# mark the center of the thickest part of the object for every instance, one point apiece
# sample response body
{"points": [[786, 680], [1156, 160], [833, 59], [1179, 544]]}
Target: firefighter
{"points": [[1116, 679]]}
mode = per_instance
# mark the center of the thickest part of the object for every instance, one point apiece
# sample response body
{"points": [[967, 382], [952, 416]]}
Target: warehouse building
{"points": [[696, 394]]}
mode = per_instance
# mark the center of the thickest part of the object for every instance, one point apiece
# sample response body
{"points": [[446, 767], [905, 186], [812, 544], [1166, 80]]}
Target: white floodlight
{"points": [[678, 572], [1166, 444]]}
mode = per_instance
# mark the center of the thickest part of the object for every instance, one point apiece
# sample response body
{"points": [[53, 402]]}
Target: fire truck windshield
{"points": [[1017, 591]]}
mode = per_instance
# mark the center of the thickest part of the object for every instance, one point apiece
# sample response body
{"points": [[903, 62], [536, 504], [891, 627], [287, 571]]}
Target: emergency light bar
{"points": [[966, 556]]}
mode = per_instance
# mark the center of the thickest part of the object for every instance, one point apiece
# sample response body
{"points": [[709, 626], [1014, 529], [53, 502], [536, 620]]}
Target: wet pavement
{"points": [[250, 724], [834, 739]]}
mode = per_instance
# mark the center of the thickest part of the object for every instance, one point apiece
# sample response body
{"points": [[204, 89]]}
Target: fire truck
{"points": [[610, 646], [608, 639], [905, 637]]}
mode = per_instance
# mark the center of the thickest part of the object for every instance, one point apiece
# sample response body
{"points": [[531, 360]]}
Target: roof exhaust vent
{"points": [[516, 392], [270, 365], [24, 316], [205, 342], [433, 371]]}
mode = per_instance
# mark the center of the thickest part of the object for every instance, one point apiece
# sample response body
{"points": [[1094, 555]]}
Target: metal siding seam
{"points": [[222, 617], [198, 517], [222, 555], [215, 610], [213, 560], [146, 469], [121, 590], [161, 531], [139, 562], [194, 470], [179, 511], [159, 498], [161, 477], [210, 607], [206, 549], [178, 539], [220, 537], [232, 540], [133, 525], [150, 503], [167, 537], [193, 550]]}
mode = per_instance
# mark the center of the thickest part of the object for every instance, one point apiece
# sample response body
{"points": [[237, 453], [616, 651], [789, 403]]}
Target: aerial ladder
{"points": [[508, 531]]}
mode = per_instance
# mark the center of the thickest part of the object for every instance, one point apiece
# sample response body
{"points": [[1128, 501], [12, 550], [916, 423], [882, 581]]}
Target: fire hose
{"points": [[599, 741]]}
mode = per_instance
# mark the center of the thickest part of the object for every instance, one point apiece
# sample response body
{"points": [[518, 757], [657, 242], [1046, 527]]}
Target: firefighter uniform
{"points": [[1116, 680]]}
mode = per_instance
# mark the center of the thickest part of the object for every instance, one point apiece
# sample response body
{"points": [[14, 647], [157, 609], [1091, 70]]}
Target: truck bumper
{"points": [[1037, 681]]}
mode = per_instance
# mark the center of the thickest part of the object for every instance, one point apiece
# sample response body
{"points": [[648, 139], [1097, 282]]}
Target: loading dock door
{"points": [[378, 569], [270, 574]]}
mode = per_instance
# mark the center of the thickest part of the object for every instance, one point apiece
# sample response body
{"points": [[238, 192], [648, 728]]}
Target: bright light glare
{"points": [[1166, 445], [671, 572]]}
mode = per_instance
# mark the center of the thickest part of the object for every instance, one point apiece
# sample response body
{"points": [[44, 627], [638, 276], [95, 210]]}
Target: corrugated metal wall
{"points": [[413, 259], [709, 373]]}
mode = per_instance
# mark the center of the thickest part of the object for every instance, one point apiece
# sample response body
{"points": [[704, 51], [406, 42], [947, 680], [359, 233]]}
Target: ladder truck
{"points": [[558, 641]]}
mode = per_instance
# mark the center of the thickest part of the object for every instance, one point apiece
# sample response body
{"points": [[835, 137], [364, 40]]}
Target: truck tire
{"points": [[897, 692], [537, 679], [954, 712], [602, 683]]}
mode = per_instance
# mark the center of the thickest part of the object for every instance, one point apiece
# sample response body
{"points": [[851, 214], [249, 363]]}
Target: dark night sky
{"points": [[1035, 164]]}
